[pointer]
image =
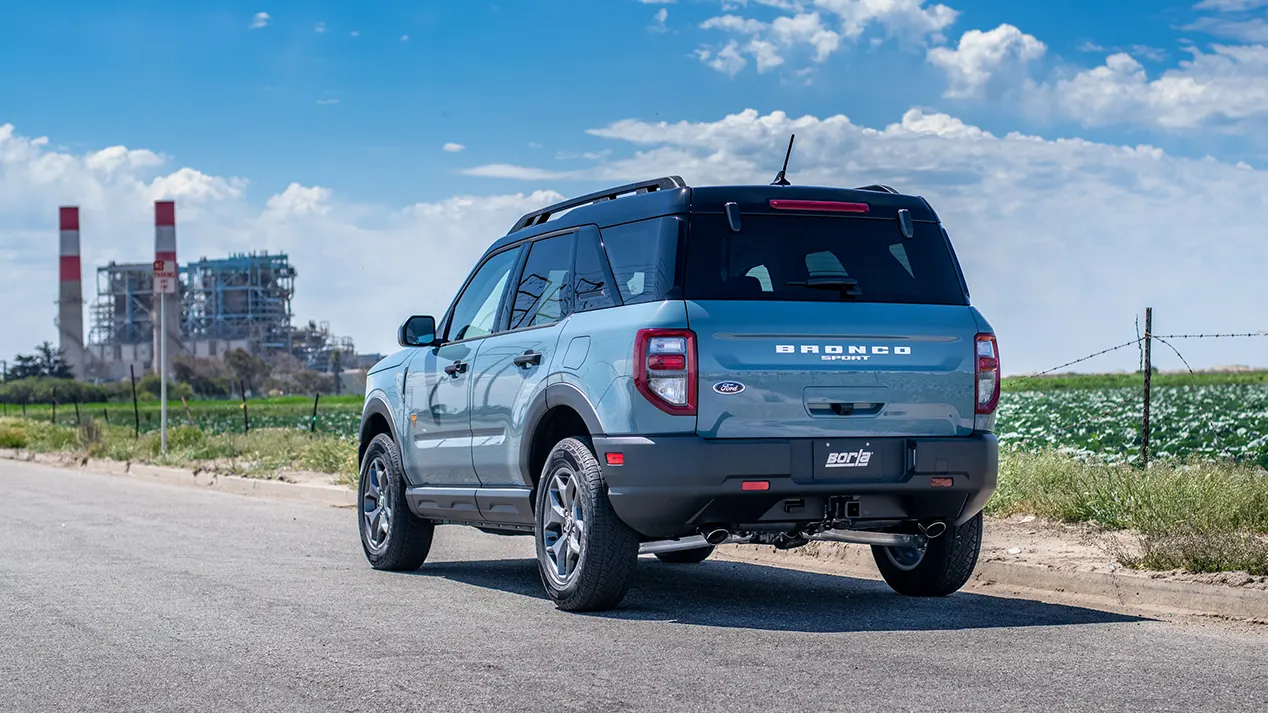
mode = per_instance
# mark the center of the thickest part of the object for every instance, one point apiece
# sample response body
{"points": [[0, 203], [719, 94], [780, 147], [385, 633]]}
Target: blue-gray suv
{"points": [[661, 369]]}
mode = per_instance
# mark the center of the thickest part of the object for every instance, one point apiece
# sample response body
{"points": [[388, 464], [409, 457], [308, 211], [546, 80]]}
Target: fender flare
{"points": [[558, 394], [375, 405]]}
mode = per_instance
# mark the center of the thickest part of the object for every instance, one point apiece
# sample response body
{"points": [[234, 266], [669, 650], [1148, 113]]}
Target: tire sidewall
{"points": [[561, 456], [383, 447]]}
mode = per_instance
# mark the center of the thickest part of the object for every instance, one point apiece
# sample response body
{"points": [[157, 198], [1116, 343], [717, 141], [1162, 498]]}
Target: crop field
{"points": [[1218, 421], [338, 415]]}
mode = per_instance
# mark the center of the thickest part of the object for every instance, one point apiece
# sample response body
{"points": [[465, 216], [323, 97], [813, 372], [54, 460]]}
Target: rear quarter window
{"points": [[644, 258], [817, 258]]}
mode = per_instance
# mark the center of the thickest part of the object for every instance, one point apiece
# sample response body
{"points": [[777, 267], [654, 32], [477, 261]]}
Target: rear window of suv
{"points": [[806, 258]]}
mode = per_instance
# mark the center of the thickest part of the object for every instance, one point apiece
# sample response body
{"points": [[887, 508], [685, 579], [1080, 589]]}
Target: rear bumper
{"points": [[671, 486]]}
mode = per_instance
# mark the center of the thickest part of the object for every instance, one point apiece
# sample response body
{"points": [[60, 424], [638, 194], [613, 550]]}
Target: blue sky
{"points": [[325, 122]]}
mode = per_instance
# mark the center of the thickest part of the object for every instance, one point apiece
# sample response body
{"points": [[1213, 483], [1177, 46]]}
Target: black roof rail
{"points": [[878, 187], [538, 217]]}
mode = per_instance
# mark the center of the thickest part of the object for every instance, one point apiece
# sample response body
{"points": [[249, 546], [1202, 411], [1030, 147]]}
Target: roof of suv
{"points": [[671, 195]]}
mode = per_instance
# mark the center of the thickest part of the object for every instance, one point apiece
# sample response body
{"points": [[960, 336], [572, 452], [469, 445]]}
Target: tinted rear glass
{"points": [[773, 257], [643, 257]]}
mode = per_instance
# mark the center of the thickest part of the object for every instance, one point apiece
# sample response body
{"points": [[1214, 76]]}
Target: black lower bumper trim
{"points": [[670, 486]]}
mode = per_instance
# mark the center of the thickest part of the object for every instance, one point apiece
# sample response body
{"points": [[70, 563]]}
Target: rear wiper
{"points": [[847, 286]]}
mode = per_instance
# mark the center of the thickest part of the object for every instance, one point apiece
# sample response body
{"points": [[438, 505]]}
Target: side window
{"points": [[643, 256], [594, 290], [542, 294], [477, 309]]}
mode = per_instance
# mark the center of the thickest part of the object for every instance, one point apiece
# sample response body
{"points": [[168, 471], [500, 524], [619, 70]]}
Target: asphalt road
{"points": [[117, 594]]}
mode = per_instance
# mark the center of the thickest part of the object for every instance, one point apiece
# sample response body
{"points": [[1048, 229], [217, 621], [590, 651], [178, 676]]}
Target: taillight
{"points": [[821, 206], [665, 369], [987, 357]]}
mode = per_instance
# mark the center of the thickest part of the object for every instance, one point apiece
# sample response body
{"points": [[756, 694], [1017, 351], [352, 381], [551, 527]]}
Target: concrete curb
{"points": [[331, 495], [1127, 589]]}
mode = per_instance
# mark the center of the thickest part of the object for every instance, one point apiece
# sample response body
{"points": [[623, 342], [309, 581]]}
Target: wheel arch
{"points": [[558, 412], [376, 418]]}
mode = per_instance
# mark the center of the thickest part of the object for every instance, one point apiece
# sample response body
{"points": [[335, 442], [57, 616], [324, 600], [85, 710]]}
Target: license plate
{"points": [[849, 458]]}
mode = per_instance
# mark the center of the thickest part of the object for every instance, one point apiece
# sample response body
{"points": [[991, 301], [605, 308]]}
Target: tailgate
{"points": [[833, 369]]}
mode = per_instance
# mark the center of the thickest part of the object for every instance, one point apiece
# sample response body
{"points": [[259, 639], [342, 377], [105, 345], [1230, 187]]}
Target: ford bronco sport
{"points": [[661, 369]]}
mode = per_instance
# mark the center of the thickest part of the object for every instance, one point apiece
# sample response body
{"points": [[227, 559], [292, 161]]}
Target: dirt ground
{"points": [[1026, 539]]}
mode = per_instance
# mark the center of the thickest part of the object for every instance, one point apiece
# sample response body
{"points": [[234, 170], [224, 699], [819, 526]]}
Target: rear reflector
{"points": [[822, 206], [755, 485], [667, 362], [616, 458], [941, 482]]}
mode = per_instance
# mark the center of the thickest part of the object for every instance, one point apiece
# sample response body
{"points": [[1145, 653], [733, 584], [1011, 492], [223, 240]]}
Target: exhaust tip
{"points": [[717, 537], [934, 529]]}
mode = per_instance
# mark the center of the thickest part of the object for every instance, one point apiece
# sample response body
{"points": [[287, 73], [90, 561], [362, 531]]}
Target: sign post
{"points": [[164, 285]]}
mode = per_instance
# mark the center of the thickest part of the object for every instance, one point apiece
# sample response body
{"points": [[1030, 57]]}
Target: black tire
{"points": [[947, 564], [403, 545], [604, 551], [699, 554]]}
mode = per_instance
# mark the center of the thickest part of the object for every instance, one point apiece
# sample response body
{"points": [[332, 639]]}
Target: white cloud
{"points": [[657, 2], [1230, 5], [980, 54], [354, 33], [320, 28], [452, 147], [819, 27], [340, 250], [260, 19], [404, 38], [1227, 87], [1253, 30], [658, 20], [1064, 241], [522, 173], [327, 102], [727, 60]]}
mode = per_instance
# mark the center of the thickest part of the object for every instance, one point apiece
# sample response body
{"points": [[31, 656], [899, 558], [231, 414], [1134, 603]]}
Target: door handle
{"points": [[456, 368], [527, 359]]}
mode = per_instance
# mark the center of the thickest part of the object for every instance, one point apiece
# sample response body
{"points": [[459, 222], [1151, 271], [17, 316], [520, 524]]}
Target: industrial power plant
{"points": [[242, 301]]}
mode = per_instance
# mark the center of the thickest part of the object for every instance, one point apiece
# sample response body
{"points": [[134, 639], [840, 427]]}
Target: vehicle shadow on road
{"points": [[754, 596]]}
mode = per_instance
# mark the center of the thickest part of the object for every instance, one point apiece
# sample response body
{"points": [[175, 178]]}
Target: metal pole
{"points": [[312, 425], [136, 409], [1144, 436], [163, 373]]}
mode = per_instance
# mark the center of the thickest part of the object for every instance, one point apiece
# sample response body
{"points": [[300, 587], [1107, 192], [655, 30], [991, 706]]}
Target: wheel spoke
{"points": [[559, 553], [556, 514], [572, 495]]}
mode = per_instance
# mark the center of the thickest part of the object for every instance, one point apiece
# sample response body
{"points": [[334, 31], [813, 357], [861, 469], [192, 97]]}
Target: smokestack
{"points": [[165, 249], [70, 293]]}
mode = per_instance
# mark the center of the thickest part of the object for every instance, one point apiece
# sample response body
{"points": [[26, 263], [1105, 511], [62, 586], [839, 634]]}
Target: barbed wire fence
{"points": [[1142, 397]]}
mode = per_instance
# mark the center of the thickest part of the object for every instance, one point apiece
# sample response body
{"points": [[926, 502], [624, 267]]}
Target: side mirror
{"points": [[417, 331]]}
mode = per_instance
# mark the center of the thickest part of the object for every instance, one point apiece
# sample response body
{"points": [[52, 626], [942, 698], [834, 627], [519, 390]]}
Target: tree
{"points": [[47, 361], [250, 369], [207, 376]]}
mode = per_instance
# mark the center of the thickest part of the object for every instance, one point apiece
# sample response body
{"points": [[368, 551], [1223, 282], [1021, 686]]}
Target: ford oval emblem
{"points": [[728, 387]]}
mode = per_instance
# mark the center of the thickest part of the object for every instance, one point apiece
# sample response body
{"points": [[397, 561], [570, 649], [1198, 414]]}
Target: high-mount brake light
{"points": [[986, 358], [665, 369], [821, 206]]}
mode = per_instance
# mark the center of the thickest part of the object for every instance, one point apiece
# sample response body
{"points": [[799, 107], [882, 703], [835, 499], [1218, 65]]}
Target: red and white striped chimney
{"points": [[165, 249], [70, 292]]}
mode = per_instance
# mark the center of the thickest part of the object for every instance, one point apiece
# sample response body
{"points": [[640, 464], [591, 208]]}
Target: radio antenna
{"points": [[780, 179]]}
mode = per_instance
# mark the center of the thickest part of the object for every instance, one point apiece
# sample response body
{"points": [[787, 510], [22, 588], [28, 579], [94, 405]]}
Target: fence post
{"points": [[246, 420], [105, 413], [136, 410], [188, 416], [76, 402], [24, 400], [54, 406], [312, 425], [1144, 436]]}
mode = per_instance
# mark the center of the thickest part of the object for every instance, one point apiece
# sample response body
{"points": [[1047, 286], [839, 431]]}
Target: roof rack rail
{"points": [[538, 217], [878, 187]]}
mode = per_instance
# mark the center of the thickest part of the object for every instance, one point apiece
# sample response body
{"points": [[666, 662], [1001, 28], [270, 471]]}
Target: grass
{"points": [[263, 453], [1203, 516], [1064, 382]]}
